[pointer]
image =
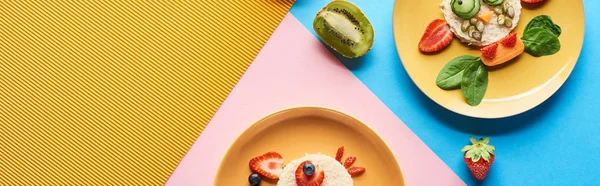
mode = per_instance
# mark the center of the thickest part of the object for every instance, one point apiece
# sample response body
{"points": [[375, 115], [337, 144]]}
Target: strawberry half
{"points": [[339, 154], [315, 179], [479, 157], [531, 1], [510, 40], [489, 51], [437, 36], [269, 165]]}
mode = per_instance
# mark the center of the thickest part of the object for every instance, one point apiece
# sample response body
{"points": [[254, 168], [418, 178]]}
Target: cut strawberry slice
{"points": [[269, 165], [315, 179], [349, 161], [531, 1], [353, 171], [437, 36], [510, 40], [490, 50], [339, 154]]}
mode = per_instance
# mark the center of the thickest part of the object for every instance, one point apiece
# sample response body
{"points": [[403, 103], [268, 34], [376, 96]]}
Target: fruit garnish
{"points": [[269, 165], [254, 179], [349, 161], [489, 51], [309, 169], [485, 17], [493, 2], [345, 28], [339, 154], [531, 1], [312, 180], [479, 157], [354, 171], [510, 40], [437, 36], [505, 54], [465, 9]]}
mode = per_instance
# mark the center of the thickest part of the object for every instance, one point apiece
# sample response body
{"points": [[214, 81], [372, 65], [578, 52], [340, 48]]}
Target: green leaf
{"points": [[485, 155], [451, 74], [476, 157], [486, 140], [540, 42], [544, 21], [472, 139], [474, 83], [464, 149]]}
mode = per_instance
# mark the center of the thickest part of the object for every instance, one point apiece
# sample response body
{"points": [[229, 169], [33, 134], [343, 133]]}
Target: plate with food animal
{"points": [[309, 146], [488, 58]]}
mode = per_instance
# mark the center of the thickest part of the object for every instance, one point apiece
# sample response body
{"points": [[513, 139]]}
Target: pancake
{"points": [[335, 173], [493, 31]]}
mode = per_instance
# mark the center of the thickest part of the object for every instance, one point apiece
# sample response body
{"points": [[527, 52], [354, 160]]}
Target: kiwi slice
{"points": [[344, 27]]}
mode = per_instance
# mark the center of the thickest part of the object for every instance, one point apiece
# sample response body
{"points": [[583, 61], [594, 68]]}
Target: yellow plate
{"points": [[296, 131], [514, 88]]}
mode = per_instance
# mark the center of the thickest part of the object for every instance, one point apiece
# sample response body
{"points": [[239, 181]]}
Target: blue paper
{"points": [[556, 143]]}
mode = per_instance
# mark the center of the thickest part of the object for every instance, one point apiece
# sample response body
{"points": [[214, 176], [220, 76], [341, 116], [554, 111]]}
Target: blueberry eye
{"points": [[308, 169]]}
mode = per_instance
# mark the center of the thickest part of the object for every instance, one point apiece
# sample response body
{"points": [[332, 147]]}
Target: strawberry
{"points": [[339, 154], [531, 1], [510, 40], [269, 165], [489, 51], [437, 36], [349, 161], [353, 171], [313, 180], [479, 157]]}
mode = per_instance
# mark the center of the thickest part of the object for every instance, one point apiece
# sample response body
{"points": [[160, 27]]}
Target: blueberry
{"points": [[254, 179], [309, 169]]}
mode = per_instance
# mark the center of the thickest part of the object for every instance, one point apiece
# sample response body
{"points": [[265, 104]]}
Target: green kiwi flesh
{"points": [[344, 27]]}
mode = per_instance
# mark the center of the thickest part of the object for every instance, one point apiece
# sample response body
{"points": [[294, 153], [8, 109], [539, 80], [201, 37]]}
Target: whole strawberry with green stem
{"points": [[479, 157]]}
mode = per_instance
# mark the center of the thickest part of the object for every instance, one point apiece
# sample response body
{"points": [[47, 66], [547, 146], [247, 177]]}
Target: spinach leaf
{"points": [[540, 42], [544, 21], [474, 83], [451, 74]]}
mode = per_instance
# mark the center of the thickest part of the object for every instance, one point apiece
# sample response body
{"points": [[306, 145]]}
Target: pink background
{"points": [[295, 69]]}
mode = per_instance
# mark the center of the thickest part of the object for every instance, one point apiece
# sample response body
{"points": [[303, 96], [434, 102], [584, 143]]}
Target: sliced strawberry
{"points": [[353, 171], [313, 180], [531, 1], [437, 36], [510, 40], [269, 165], [339, 154], [349, 161], [490, 50]]}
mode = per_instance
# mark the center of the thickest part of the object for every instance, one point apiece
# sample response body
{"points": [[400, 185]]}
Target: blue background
{"points": [[555, 143]]}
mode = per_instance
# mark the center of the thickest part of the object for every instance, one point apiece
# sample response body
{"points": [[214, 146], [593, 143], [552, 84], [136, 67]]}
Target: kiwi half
{"points": [[344, 28]]}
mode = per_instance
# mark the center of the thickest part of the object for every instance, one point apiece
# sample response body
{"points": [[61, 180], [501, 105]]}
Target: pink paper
{"points": [[295, 69]]}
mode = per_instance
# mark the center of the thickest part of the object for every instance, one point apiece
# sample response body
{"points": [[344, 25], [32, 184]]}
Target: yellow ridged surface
{"points": [[115, 92]]}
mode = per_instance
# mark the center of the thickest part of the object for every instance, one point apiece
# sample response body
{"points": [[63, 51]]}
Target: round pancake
{"points": [[492, 33]]}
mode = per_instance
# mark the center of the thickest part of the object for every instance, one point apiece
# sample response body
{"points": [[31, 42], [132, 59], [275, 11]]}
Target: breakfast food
{"points": [[489, 25], [310, 170], [437, 36], [479, 157], [481, 22], [344, 27]]}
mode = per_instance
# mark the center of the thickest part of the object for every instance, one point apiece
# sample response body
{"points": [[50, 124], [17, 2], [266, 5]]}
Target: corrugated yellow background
{"points": [[115, 92]]}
